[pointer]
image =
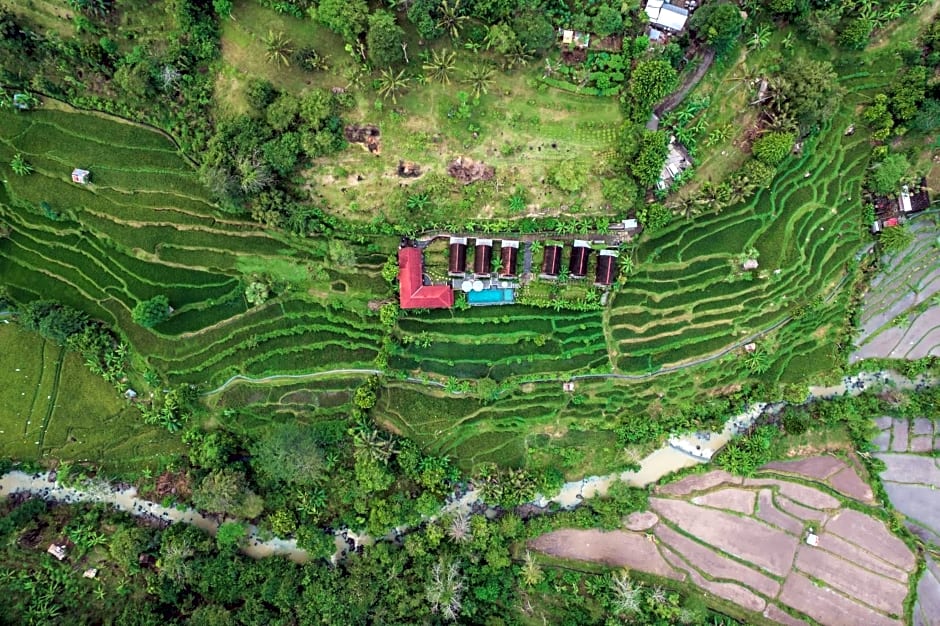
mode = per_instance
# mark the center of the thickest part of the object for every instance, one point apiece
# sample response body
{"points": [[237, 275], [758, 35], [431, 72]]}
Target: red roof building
{"points": [[413, 293]]}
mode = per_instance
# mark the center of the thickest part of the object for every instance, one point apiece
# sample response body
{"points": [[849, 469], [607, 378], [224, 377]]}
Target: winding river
{"points": [[679, 452]]}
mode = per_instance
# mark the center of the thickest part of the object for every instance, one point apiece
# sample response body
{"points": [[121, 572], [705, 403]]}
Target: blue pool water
{"points": [[491, 296]]}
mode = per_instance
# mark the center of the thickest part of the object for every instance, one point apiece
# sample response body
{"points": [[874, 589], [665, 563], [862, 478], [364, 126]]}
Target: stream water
{"points": [[678, 453]]}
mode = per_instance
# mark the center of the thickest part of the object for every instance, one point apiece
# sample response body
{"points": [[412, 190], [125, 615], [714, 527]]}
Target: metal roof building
{"points": [[412, 292], [509, 255], [458, 255], [580, 254], [551, 261], [483, 257], [606, 272]]}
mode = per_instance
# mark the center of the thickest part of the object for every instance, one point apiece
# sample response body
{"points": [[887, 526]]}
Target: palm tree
{"points": [[480, 77], [371, 444], [391, 85], [531, 571], [445, 590], [451, 20], [718, 135], [254, 173], [19, 165], [278, 48], [760, 38], [440, 65], [519, 56], [459, 528], [627, 594]]}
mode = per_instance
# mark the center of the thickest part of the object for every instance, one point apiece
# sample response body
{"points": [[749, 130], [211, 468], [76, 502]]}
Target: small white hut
{"points": [[80, 176]]}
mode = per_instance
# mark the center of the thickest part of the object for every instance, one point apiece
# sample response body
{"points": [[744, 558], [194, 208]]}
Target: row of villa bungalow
{"points": [[483, 257], [605, 272], [482, 285]]}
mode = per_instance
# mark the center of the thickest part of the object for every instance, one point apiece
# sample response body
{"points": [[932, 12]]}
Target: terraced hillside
{"points": [[744, 541], [690, 298], [503, 342], [52, 406], [145, 227], [900, 317]]}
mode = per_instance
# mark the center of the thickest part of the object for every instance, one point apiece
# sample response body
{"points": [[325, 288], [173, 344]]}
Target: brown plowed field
{"points": [[709, 533]]}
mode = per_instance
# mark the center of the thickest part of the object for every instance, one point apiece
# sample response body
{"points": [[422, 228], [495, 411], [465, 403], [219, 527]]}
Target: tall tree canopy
{"points": [[718, 25], [806, 91]]}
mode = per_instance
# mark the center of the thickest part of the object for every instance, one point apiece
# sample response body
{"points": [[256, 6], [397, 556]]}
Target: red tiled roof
{"points": [[413, 294], [891, 222]]}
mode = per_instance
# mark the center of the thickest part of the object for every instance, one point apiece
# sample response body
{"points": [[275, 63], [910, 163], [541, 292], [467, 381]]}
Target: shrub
{"points": [[773, 148], [149, 313]]}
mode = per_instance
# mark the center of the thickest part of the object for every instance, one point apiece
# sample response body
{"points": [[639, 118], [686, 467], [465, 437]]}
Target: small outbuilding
{"points": [[80, 176], [580, 254], [21, 101], [483, 257], [458, 256], [551, 261], [57, 550], [750, 264], [509, 256], [606, 272]]}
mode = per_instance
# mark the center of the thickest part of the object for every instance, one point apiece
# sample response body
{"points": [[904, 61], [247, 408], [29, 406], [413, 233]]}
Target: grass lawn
{"points": [[521, 127], [53, 408]]}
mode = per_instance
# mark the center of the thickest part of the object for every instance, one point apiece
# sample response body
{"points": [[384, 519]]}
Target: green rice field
{"points": [[51, 406], [146, 227]]}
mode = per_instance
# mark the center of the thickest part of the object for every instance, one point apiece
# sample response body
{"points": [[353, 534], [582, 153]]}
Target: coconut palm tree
{"points": [[440, 66], [531, 571], [451, 20], [19, 165], [459, 528], [480, 78], [627, 594], [278, 48], [445, 589], [391, 85], [371, 444]]}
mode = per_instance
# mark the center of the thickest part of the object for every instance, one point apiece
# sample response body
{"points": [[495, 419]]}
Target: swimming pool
{"points": [[491, 296]]}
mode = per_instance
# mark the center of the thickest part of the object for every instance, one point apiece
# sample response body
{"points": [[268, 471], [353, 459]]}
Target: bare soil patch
{"points": [[878, 592], [827, 606], [742, 537], [848, 482], [715, 565], [617, 548], [640, 521], [818, 467], [799, 511], [768, 512], [777, 614], [850, 552], [872, 535], [801, 493], [739, 500], [467, 171], [698, 482]]}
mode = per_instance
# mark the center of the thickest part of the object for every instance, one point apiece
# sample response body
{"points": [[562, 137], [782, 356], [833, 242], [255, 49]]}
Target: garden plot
{"points": [[744, 540], [900, 315]]}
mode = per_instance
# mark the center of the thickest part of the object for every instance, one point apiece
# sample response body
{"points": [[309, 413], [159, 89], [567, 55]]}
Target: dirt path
{"points": [[688, 84]]}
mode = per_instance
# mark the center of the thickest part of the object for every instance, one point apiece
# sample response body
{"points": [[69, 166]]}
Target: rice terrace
{"points": [[451, 311]]}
